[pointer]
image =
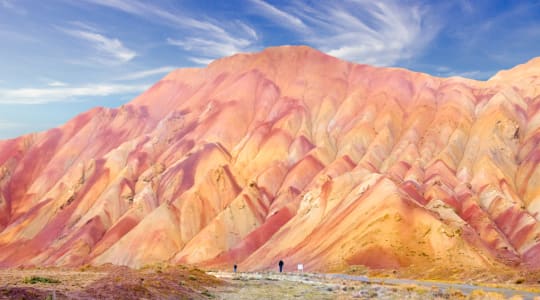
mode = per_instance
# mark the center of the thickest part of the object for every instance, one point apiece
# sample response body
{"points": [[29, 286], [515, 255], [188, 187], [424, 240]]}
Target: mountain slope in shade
{"points": [[285, 154]]}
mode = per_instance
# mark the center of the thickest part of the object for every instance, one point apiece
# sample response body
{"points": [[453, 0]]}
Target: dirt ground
{"points": [[321, 286], [249, 286], [107, 282], [179, 282]]}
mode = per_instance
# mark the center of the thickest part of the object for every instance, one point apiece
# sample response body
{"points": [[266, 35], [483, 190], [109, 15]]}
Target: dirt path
{"points": [[339, 286]]}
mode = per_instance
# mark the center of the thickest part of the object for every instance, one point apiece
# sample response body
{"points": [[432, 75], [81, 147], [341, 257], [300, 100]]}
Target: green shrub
{"points": [[38, 279], [208, 294]]}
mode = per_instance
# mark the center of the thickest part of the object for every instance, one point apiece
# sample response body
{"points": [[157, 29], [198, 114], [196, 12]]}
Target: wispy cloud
{"points": [[200, 61], [373, 32], [466, 6], [10, 125], [10, 5], [267, 10], [57, 84], [381, 33], [155, 13], [109, 50], [84, 26], [147, 73], [248, 30], [63, 94], [211, 48], [204, 38]]}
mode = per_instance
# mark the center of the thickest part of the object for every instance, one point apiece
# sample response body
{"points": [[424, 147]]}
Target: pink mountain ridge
{"points": [[286, 154]]}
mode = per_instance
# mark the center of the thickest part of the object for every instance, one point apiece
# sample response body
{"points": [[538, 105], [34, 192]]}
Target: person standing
{"points": [[235, 267], [281, 263]]}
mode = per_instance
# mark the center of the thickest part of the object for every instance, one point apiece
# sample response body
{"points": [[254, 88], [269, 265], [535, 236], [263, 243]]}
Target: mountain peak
{"points": [[279, 55]]}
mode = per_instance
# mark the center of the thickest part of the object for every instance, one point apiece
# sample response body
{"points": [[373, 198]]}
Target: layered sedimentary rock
{"points": [[285, 154]]}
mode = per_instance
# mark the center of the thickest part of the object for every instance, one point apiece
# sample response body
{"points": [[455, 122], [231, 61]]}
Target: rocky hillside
{"points": [[285, 154]]}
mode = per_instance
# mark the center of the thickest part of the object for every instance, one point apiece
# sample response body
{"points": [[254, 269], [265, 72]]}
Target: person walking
{"points": [[281, 263]]}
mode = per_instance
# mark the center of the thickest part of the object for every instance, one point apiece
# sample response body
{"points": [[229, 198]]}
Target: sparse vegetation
{"points": [[84, 268], [208, 294], [155, 282], [270, 279], [163, 281], [39, 279]]}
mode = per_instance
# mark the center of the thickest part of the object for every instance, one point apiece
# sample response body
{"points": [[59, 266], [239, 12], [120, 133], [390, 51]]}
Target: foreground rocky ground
{"points": [[166, 282], [109, 282]]}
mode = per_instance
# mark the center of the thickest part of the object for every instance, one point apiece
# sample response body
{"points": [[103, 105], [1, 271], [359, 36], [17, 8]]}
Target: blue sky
{"points": [[61, 57]]}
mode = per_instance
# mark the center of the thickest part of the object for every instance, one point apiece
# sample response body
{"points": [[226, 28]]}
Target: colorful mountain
{"points": [[285, 154]]}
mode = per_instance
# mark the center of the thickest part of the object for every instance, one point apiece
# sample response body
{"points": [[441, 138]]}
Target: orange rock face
{"points": [[285, 154]]}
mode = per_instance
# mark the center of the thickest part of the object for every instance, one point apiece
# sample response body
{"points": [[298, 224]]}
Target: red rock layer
{"points": [[285, 154]]}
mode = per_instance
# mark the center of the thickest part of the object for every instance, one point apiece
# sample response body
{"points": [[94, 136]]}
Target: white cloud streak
{"points": [[10, 5], [155, 13], [373, 32], [65, 94], [84, 26], [210, 48], [57, 84], [200, 61], [386, 33], [148, 73], [247, 29], [10, 125], [466, 6], [381, 33], [280, 16], [203, 38], [110, 50]]}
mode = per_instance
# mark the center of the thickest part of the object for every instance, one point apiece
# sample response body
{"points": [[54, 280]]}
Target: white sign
{"points": [[300, 267]]}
